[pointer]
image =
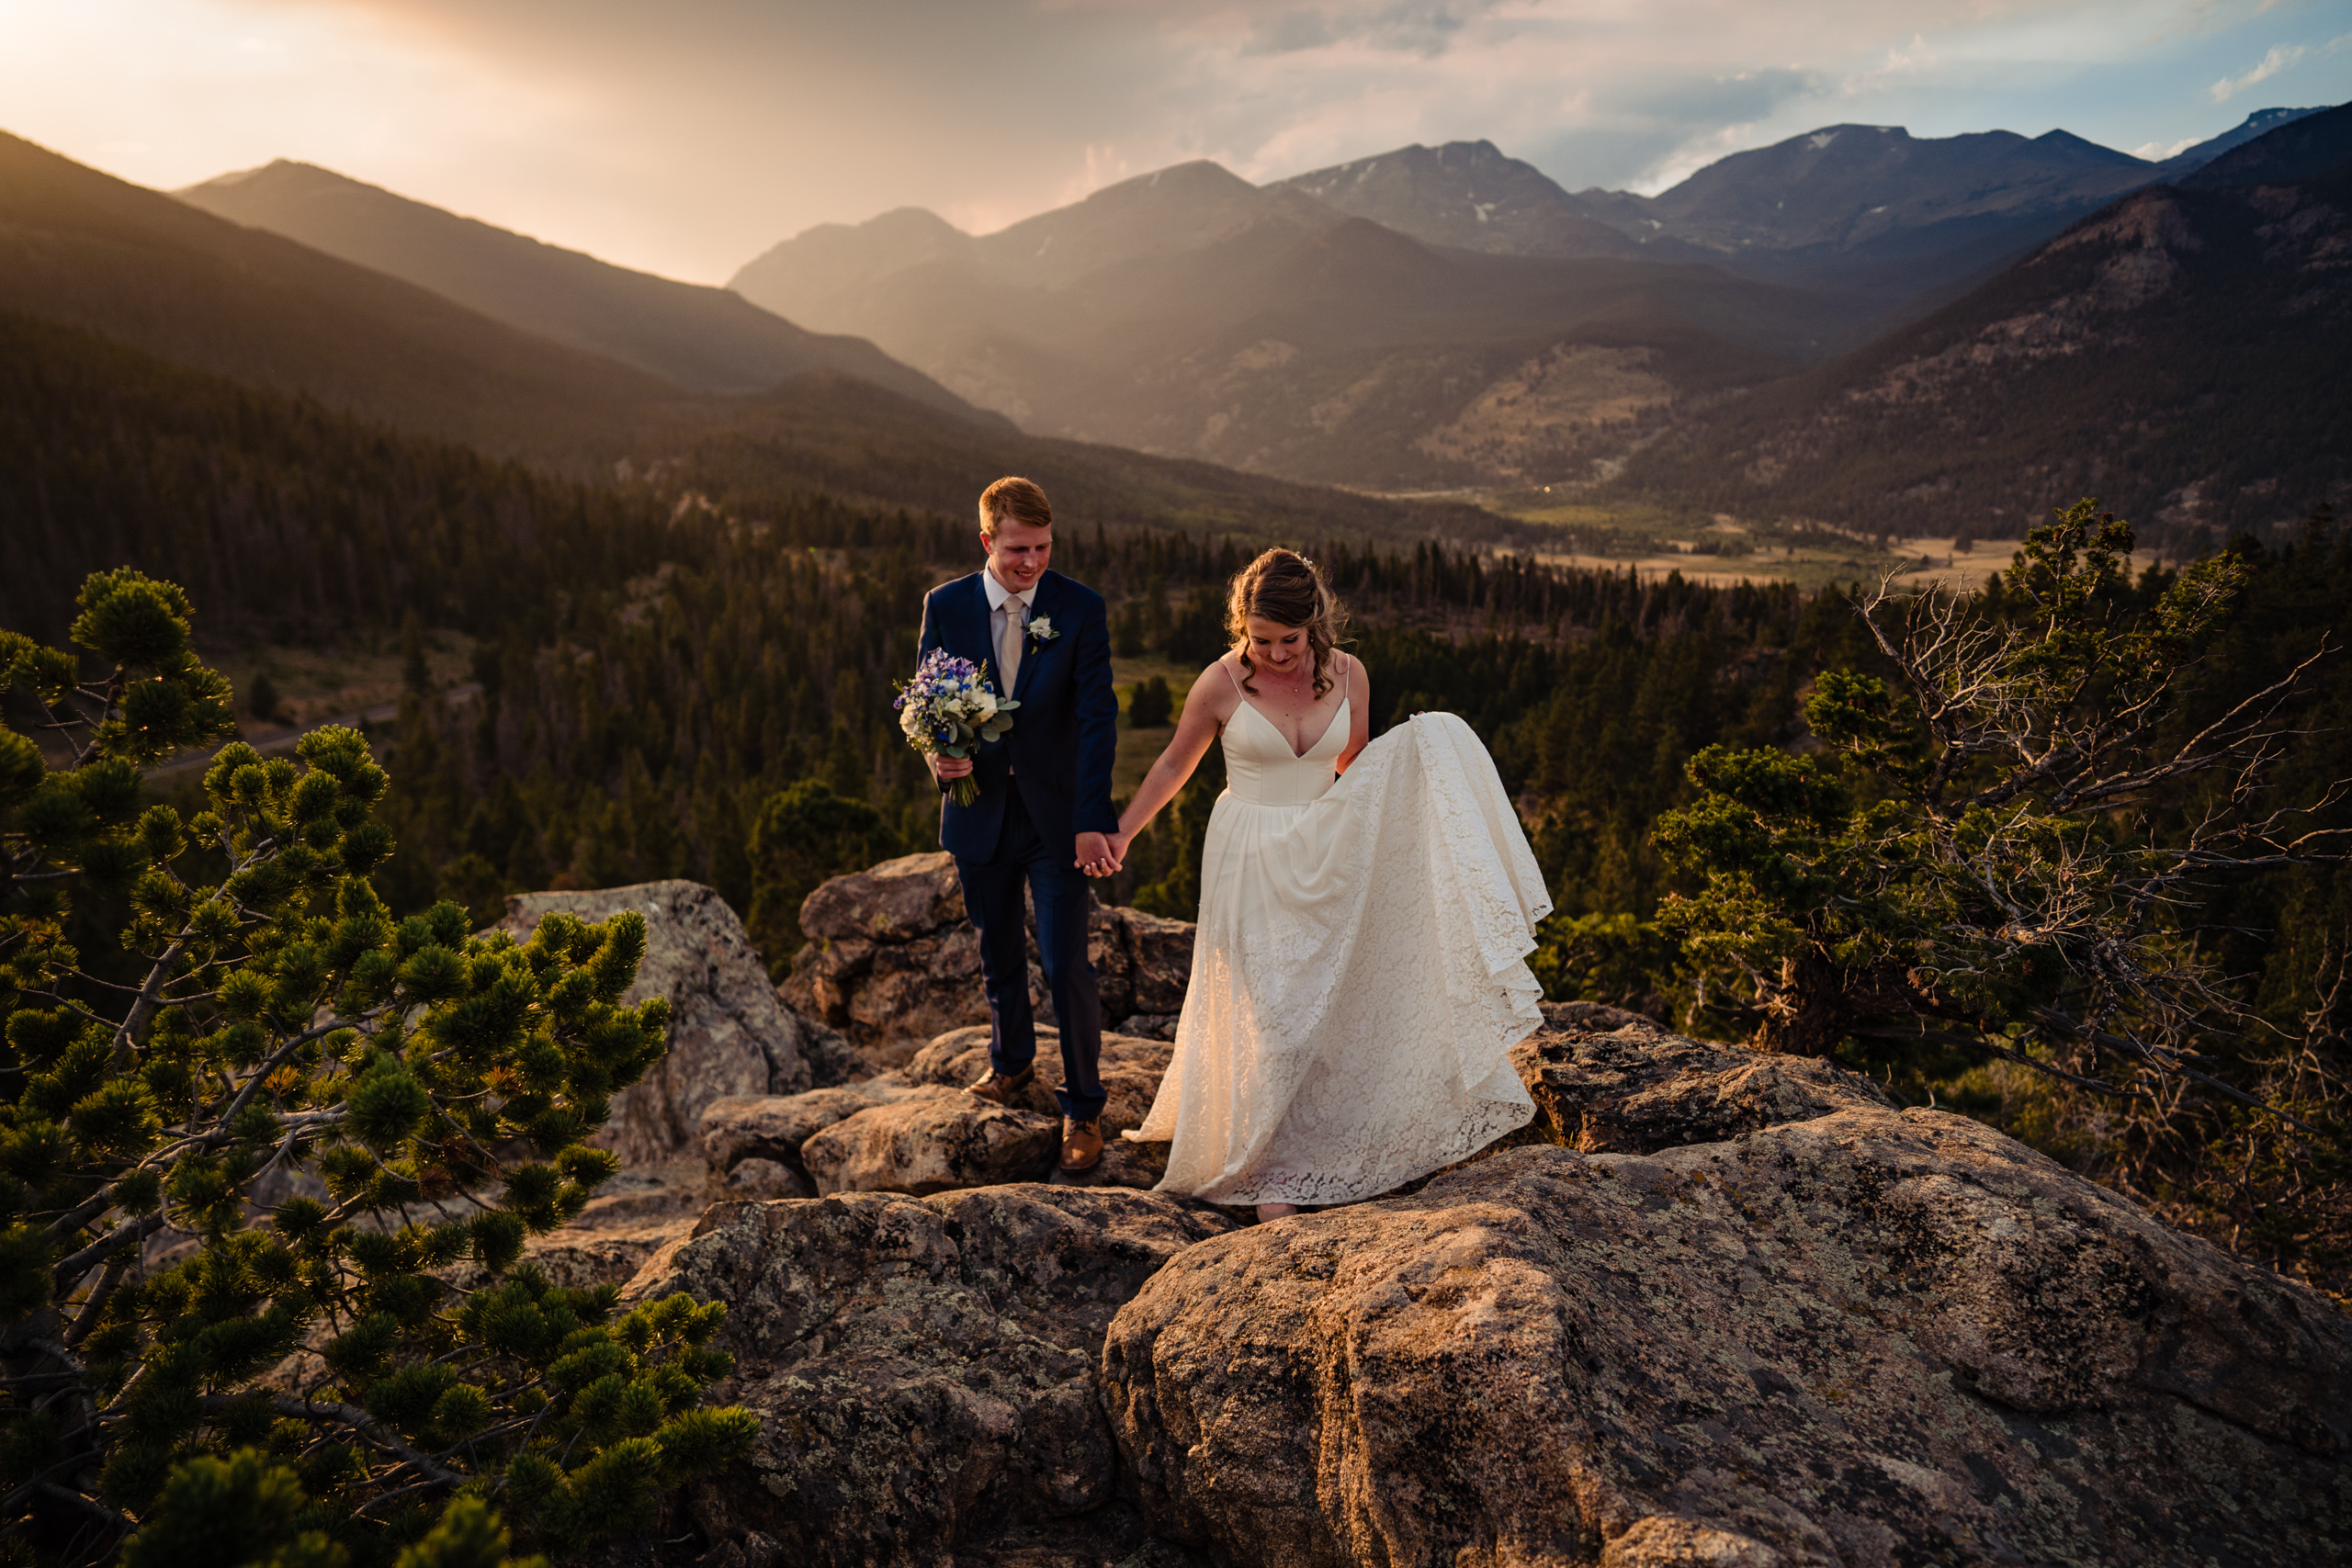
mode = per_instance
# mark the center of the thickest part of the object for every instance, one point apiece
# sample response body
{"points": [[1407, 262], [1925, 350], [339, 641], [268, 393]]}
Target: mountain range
{"points": [[2179, 353], [1189, 312], [1448, 316], [87, 250], [705, 340], [1179, 347]]}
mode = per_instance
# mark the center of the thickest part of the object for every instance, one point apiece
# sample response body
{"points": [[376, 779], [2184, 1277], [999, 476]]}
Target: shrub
{"points": [[269, 1160]]}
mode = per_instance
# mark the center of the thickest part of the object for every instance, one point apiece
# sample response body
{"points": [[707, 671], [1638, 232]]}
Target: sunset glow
{"points": [[687, 139]]}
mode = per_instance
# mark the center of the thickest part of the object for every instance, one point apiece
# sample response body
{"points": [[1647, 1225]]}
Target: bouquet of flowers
{"points": [[948, 708]]}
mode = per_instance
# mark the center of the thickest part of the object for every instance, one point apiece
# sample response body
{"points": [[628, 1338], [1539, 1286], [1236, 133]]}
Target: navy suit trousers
{"points": [[992, 898]]}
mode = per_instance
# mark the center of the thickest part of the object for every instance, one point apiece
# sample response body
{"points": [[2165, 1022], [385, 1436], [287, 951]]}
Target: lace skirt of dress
{"points": [[1359, 977]]}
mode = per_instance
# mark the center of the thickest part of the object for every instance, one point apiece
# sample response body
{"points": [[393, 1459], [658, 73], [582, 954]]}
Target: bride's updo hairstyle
{"points": [[1283, 587]]}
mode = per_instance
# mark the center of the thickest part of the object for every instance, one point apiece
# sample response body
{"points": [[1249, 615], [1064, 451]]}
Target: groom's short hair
{"points": [[1012, 500]]}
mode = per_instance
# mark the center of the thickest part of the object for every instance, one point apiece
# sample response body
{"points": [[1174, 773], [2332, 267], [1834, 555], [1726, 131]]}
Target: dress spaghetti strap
{"points": [[1234, 679]]}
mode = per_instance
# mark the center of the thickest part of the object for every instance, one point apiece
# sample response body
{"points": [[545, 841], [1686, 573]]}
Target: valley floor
{"points": [[1720, 549]]}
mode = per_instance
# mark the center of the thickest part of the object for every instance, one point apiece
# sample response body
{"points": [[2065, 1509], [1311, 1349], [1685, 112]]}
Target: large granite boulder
{"points": [[893, 963], [1867, 1337], [730, 1034], [923, 1369]]}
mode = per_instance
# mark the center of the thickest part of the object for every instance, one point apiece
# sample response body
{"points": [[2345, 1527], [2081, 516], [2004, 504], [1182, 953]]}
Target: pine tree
{"points": [[319, 1381]]}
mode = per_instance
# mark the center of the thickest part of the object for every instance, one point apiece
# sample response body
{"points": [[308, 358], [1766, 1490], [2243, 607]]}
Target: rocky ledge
{"points": [[1711, 1308]]}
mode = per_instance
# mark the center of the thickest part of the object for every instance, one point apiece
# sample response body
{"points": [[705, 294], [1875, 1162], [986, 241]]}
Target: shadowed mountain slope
{"points": [[2313, 143], [857, 441], [705, 339], [85, 248], [286, 519], [1190, 313], [2179, 353], [2260, 123]]}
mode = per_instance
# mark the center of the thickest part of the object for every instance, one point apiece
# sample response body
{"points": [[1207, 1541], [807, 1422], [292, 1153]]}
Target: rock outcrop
{"points": [[730, 1032], [914, 1130], [1714, 1308], [1868, 1336], [1605, 1081], [1710, 1307], [924, 1368], [893, 963]]}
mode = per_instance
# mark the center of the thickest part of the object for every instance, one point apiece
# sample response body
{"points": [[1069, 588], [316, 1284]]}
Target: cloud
{"points": [[2278, 60], [1421, 30], [688, 138], [2282, 57]]}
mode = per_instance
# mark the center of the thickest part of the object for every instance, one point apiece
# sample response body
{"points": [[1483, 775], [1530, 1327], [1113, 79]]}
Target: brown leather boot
{"points": [[1081, 1144], [999, 1089]]}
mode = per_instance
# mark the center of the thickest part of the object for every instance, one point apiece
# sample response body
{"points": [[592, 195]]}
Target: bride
{"points": [[1367, 907]]}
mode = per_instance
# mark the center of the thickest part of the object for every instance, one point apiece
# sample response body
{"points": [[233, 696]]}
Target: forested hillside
{"points": [[284, 519], [2179, 353]]}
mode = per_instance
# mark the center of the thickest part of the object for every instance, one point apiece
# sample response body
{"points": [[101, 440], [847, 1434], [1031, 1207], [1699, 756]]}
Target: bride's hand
{"points": [[1098, 854]]}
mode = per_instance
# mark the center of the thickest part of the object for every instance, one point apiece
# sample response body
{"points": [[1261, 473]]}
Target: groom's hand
{"points": [[949, 769], [1095, 856]]}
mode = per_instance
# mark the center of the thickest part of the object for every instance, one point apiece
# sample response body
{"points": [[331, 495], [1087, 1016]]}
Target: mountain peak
{"points": [[1469, 195], [290, 172], [2067, 142], [1205, 176]]}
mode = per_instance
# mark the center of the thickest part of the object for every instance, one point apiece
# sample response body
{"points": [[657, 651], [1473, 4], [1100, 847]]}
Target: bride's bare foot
{"points": [[1275, 1210]]}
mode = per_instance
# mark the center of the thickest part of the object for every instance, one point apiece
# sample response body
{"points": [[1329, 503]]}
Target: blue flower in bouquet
{"points": [[948, 709]]}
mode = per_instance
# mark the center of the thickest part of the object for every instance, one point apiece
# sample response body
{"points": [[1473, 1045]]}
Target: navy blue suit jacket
{"points": [[1066, 731]]}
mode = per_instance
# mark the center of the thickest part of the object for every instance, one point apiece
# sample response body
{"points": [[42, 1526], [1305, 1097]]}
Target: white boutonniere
{"points": [[1041, 632]]}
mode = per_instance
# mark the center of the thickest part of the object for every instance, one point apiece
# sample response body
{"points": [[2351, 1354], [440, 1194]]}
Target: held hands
{"points": [[1098, 854]]}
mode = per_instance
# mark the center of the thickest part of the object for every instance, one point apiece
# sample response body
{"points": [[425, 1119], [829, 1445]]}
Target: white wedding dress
{"points": [[1359, 972]]}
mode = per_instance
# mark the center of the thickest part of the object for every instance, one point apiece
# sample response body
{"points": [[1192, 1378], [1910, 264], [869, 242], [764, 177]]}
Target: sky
{"points": [[686, 136]]}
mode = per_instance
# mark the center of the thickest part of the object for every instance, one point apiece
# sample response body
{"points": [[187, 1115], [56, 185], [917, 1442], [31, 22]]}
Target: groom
{"points": [[1043, 812]]}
